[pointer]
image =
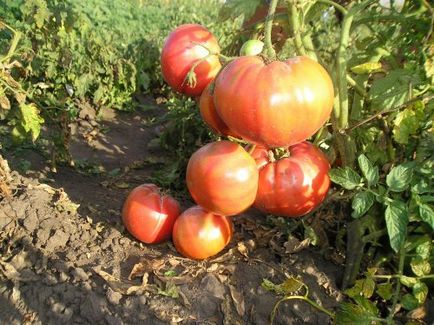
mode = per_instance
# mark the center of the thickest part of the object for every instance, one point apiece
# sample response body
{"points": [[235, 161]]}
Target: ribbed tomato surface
{"points": [[275, 104], [295, 185]]}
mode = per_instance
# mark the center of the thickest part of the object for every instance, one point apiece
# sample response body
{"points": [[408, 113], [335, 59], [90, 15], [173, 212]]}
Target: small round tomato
{"points": [[199, 234], [252, 47], [183, 49], [209, 113], [148, 215], [274, 104], [222, 177], [292, 186]]}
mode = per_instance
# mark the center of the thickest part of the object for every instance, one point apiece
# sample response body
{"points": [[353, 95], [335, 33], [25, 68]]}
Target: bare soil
{"points": [[65, 257]]}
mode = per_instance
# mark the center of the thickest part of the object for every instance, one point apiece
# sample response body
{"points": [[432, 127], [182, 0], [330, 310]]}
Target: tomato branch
{"points": [[334, 4], [268, 29], [424, 100], [294, 21]]}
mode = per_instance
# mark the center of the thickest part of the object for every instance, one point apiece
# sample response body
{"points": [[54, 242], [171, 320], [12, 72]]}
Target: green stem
{"points": [[305, 298], [398, 285], [334, 4], [397, 276], [294, 22], [268, 29], [424, 99], [359, 89]]}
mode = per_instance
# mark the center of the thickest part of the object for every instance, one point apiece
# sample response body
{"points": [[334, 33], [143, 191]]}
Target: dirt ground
{"points": [[67, 259]]}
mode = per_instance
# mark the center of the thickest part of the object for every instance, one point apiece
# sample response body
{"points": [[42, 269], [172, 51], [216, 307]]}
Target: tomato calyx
{"points": [[279, 153]]}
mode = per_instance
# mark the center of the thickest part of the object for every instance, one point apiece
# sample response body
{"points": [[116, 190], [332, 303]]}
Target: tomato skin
{"points": [[209, 113], [199, 234], [277, 104], [295, 185], [180, 53], [223, 178], [148, 215]]}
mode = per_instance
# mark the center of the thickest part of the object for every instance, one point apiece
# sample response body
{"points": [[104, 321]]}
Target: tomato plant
{"points": [[275, 104], [222, 177], [149, 215], [199, 234], [188, 48], [209, 113], [292, 186]]}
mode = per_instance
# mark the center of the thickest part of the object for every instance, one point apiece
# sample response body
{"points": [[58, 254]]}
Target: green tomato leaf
{"points": [[290, 285], [393, 89], [420, 292], [368, 170], [399, 177], [424, 249], [426, 214], [384, 290], [31, 121], [408, 122], [396, 215], [408, 281], [345, 177], [366, 68], [409, 302], [362, 202], [362, 313], [420, 266], [429, 64], [234, 8]]}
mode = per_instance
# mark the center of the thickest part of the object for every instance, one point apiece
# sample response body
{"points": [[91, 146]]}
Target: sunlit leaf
{"points": [[368, 170], [345, 177], [399, 177], [408, 122], [420, 266]]}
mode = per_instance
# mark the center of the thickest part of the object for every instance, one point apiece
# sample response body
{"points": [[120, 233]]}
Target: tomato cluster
{"points": [[273, 105]]}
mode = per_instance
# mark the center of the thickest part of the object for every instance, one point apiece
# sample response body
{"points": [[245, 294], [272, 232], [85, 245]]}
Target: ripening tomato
{"points": [[199, 234], [222, 177], [181, 50], [149, 215], [292, 186], [209, 113], [274, 104]]}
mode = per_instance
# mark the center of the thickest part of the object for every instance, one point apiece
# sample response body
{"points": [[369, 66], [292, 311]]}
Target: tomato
{"points": [[252, 47], [209, 113], [276, 104], [223, 178], [181, 50], [199, 234], [148, 215], [295, 185]]}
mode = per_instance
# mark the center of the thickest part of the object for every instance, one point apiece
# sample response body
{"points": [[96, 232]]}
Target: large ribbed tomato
{"points": [[149, 215], [209, 113], [223, 178], [292, 186], [181, 50], [199, 234], [275, 104]]}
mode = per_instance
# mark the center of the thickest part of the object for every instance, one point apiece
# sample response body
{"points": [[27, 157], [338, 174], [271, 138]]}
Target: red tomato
{"points": [[276, 104], [199, 234], [148, 215], [223, 178], [182, 50], [295, 185], [209, 113]]}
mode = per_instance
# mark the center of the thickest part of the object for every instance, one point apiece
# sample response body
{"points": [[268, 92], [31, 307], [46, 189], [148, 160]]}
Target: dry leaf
{"points": [[293, 245], [238, 300]]}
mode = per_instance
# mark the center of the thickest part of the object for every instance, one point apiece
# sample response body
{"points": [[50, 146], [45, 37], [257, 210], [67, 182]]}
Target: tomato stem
{"points": [[268, 28], [294, 21]]}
